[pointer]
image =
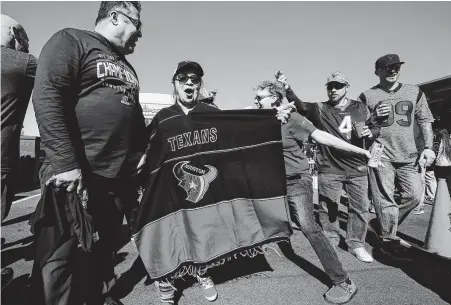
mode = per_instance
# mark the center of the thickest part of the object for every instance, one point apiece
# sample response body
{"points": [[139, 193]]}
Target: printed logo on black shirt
{"points": [[116, 75]]}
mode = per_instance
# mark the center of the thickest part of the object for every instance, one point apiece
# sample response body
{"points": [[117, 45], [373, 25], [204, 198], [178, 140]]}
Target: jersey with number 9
{"points": [[407, 103]]}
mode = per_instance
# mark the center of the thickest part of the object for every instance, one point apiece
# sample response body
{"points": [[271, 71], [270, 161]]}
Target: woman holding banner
{"points": [[202, 201]]}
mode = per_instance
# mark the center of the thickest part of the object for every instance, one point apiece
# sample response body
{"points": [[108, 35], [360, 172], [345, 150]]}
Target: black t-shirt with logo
{"points": [[86, 100]]}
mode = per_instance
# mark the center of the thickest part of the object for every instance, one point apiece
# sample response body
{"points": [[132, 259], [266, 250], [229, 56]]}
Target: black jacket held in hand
{"points": [[54, 223]]}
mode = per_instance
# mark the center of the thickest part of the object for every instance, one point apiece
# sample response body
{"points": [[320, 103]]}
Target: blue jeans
{"points": [[329, 189], [390, 213], [431, 184], [300, 200]]}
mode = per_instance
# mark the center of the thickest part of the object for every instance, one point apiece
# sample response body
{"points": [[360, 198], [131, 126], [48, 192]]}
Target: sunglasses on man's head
{"points": [[389, 68], [136, 22], [184, 78], [336, 86]]}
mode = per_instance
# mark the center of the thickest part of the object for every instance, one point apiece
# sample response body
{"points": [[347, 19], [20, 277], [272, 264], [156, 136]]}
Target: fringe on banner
{"points": [[201, 270]]}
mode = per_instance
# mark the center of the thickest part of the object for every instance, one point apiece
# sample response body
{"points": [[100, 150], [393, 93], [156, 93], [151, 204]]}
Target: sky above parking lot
{"points": [[241, 43]]}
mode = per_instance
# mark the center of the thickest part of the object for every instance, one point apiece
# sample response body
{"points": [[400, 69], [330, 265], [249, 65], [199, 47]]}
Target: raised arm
{"points": [[301, 107]]}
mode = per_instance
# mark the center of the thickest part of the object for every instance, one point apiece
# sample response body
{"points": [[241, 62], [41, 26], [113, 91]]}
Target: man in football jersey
{"points": [[352, 122], [397, 106]]}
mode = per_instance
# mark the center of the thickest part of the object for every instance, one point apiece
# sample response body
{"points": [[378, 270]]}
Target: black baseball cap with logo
{"points": [[188, 64], [387, 60]]}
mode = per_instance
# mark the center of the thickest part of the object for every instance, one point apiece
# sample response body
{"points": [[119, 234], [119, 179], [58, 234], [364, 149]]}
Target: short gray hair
{"points": [[275, 88]]}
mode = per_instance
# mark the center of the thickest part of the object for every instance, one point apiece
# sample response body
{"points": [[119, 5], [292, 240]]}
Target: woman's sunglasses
{"points": [[184, 78]]}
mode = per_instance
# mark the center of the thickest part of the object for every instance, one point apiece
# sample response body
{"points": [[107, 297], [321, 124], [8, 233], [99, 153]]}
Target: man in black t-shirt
{"points": [[18, 70], [86, 100], [340, 116]]}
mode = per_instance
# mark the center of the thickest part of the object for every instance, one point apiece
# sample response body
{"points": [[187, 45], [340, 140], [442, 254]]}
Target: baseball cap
{"points": [[188, 64], [337, 77], [387, 60]]}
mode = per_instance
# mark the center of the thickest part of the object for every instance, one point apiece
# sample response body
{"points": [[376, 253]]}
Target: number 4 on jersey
{"points": [[346, 126]]}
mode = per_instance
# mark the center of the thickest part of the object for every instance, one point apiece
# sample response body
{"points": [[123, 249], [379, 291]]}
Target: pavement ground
{"points": [[282, 276]]}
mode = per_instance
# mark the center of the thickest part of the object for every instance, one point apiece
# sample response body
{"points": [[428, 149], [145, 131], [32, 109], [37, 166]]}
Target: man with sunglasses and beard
{"points": [[86, 100], [352, 122], [397, 106], [18, 71]]}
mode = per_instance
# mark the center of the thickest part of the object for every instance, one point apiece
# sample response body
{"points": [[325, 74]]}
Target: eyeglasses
{"points": [[389, 68], [336, 86], [136, 22], [184, 78], [259, 98]]}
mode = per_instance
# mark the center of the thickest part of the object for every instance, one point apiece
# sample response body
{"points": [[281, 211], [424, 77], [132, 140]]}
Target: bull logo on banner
{"points": [[195, 181]]}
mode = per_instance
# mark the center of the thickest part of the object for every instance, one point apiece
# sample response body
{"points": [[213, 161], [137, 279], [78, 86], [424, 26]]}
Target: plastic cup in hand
{"points": [[386, 104], [359, 128]]}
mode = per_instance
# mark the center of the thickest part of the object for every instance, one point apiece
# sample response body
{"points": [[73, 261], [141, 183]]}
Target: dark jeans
{"points": [[109, 200], [300, 200], [62, 276], [112, 200], [390, 213], [329, 189]]}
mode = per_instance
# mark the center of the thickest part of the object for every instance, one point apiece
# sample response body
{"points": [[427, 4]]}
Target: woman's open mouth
{"points": [[189, 92]]}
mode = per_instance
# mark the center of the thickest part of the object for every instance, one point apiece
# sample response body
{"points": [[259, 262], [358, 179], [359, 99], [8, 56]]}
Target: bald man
{"points": [[18, 70]]}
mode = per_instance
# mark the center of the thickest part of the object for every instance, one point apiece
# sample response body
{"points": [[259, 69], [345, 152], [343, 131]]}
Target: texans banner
{"points": [[216, 188]]}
